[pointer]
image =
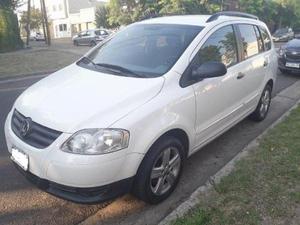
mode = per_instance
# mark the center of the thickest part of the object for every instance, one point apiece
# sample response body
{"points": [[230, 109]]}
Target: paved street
{"points": [[19, 199]]}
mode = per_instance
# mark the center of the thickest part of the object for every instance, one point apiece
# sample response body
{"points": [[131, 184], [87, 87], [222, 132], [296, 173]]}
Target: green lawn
{"points": [[27, 62], [263, 189]]}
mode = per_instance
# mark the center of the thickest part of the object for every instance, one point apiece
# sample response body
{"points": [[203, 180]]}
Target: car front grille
{"points": [[31, 132], [293, 56]]}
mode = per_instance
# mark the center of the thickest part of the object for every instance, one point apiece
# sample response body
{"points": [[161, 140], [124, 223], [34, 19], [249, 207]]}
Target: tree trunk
{"points": [[46, 22], [43, 22], [28, 23]]}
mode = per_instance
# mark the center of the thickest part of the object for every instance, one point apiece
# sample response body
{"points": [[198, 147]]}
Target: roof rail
{"points": [[231, 13]]}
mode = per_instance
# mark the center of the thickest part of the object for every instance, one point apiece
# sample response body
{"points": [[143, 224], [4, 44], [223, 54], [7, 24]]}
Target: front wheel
{"points": [[284, 71], [160, 171], [263, 106]]}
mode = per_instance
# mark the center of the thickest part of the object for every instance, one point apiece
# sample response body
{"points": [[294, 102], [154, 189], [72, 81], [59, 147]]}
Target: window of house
{"points": [[249, 40], [221, 46], [54, 8], [62, 27], [60, 7]]}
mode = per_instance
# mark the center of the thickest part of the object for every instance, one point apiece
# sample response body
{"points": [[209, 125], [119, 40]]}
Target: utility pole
{"points": [[47, 36], [28, 23]]}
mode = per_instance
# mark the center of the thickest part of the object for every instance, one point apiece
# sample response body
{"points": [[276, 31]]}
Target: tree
{"points": [[102, 17], [10, 4], [36, 19]]}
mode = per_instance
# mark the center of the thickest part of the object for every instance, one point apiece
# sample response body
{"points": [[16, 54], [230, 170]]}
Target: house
{"points": [[68, 17]]}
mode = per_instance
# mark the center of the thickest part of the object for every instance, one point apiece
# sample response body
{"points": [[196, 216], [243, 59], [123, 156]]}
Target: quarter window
{"points": [[259, 39], [249, 40], [221, 46], [266, 38]]}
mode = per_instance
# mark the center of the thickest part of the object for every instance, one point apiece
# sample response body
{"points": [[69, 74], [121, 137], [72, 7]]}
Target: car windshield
{"points": [[142, 50], [281, 31]]}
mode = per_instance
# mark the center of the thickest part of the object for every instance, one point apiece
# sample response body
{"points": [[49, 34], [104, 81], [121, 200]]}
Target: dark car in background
{"points": [[90, 37], [289, 57], [283, 34]]}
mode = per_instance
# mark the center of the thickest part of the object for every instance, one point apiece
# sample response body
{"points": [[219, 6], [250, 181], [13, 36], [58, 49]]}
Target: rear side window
{"points": [[249, 40], [221, 46], [266, 38]]}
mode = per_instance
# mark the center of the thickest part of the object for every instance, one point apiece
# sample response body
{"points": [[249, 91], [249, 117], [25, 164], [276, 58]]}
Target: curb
{"points": [[16, 77], [193, 200]]}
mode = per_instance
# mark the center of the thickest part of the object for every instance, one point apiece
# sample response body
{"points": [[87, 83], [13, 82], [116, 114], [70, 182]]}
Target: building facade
{"points": [[68, 17]]}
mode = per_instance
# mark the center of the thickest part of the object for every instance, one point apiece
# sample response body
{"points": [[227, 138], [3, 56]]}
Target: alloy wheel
{"points": [[165, 171], [265, 103]]}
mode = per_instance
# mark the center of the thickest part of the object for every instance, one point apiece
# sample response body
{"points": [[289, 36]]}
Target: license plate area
{"points": [[20, 158], [293, 65]]}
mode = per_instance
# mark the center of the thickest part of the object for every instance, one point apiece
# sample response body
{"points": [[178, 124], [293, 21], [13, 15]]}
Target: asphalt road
{"points": [[22, 203]]}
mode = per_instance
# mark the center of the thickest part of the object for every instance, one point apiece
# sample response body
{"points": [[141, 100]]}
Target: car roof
{"points": [[197, 20]]}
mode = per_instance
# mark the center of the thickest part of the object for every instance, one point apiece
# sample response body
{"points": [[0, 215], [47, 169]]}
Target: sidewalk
{"points": [[40, 58]]}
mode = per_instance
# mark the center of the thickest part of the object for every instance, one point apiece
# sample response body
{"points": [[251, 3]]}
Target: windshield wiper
{"points": [[119, 69], [87, 60]]}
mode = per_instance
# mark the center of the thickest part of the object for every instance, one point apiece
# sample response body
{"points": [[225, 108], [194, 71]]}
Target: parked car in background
{"points": [[289, 57], [126, 115], [90, 37], [283, 34], [297, 33], [39, 37]]}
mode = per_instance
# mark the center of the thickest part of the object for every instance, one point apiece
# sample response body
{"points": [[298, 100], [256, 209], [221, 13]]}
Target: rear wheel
{"points": [[160, 171], [263, 106], [92, 43]]}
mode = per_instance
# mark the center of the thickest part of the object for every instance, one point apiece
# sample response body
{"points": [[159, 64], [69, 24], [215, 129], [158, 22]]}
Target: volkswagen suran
{"points": [[125, 117]]}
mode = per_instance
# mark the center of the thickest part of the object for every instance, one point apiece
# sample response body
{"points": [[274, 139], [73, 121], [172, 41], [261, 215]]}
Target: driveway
{"points": [[22, 203]]}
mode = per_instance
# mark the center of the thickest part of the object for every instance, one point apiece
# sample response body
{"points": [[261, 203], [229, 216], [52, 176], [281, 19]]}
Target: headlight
{"points": [[281, 52], [96, 141]]}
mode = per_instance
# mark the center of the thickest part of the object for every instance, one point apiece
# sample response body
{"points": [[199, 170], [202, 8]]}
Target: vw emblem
{"points": [[25, 126]]}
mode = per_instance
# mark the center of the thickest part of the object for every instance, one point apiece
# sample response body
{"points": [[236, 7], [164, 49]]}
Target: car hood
{"points": [[75, 98], [293, 45]]}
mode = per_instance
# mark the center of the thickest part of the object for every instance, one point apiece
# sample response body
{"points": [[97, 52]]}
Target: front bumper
{"points": [[81, 195], [79, 178], [282, 64]]}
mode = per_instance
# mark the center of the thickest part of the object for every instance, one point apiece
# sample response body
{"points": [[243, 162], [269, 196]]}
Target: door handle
{"points": [[266, 63], [240, 75]]}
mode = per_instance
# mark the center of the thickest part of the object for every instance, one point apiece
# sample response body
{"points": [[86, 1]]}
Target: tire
{"points": [[263, 106], [75, 43], [284, 71], [93, 43], [157, 188]]}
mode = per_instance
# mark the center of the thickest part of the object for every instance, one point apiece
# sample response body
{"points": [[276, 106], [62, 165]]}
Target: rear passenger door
{"points": [[254, 64]]}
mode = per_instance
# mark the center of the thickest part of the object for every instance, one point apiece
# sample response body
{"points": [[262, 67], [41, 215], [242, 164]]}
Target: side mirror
{"points": [[209, 70]]}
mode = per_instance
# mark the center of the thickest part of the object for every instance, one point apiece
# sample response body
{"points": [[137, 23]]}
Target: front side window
{"points": [[147, 50], [249, 40], [221, 46]]}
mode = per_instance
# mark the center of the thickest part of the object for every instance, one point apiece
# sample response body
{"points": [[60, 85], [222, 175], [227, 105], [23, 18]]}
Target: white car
{"points": [[126, 116]]}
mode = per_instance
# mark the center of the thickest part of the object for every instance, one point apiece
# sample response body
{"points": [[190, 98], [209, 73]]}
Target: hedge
{"points": [[9, 31]]}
